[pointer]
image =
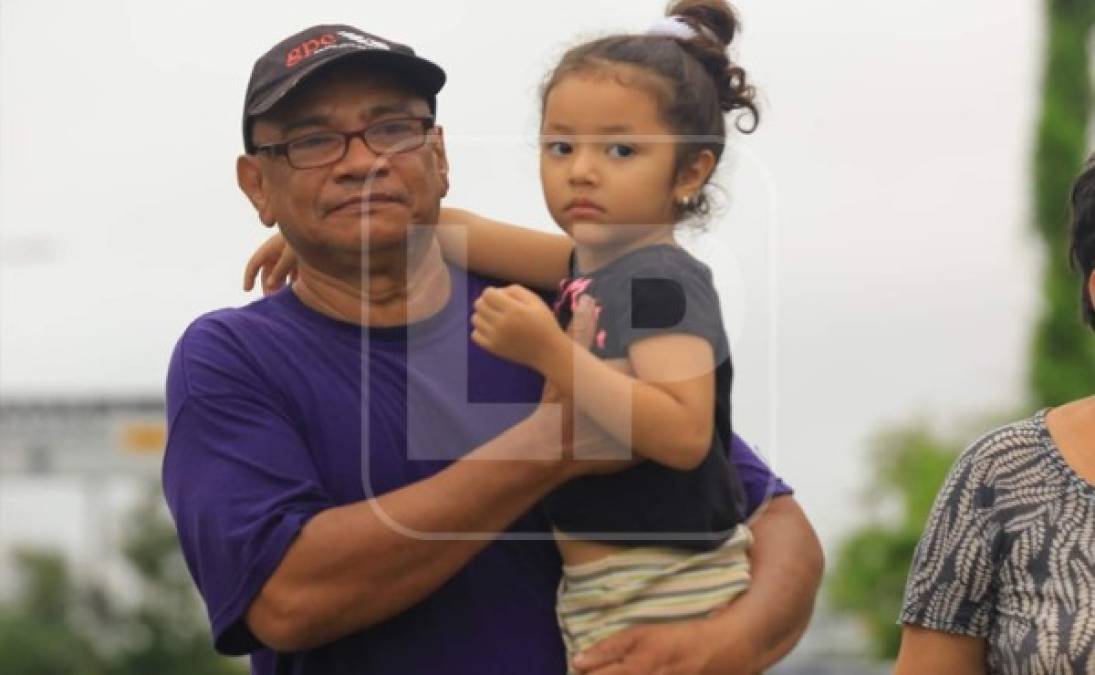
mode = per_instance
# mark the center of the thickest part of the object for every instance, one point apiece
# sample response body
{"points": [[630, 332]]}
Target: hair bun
{"points": [[710, 18], [716, 19]]}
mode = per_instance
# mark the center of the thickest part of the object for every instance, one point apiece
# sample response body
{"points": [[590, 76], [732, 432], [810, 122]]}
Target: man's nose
{"points": [[360, 161]]}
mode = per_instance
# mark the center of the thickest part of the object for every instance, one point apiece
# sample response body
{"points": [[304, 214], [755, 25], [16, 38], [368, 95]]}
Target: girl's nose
{"points": [[583, 167]]}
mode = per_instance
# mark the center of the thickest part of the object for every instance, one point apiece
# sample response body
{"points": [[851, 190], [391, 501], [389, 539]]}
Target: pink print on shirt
{"points": [[570, 291]]}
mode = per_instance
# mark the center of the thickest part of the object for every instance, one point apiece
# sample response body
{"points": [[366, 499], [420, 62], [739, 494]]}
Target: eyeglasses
{"points": [[387, 137]]}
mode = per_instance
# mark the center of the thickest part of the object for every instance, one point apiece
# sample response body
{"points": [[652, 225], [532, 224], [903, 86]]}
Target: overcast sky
{"points": [[874, 259]]}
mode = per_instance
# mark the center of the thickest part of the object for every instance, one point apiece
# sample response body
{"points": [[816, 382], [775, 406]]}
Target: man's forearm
{"points": [[765, 623], [360, 564]]}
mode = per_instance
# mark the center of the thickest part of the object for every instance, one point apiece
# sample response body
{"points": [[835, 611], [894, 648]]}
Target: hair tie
{"points": [[678, 28]]}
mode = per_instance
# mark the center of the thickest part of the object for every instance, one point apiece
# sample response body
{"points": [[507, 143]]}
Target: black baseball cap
{"points": [[296, 57]]}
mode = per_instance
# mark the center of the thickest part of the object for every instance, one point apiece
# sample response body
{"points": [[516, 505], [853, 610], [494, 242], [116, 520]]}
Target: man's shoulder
{"points": [[264, 313], [223, 344]]}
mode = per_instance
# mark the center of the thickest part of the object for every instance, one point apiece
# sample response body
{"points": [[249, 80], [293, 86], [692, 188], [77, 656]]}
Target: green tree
{"points": [[167, 632], [868, 578], [1063, 356], [57, 625], [38, 633]]}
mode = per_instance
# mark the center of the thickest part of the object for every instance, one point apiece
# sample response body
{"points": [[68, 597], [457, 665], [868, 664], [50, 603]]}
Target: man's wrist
{"points": [[730, 647]]}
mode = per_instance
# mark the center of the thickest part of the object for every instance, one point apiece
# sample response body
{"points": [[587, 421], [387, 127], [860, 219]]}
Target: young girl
{"points": [[633, 127]]}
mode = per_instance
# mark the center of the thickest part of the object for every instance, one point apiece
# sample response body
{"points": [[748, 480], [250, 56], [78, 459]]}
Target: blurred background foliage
{"points": [[868, 574], [1063, 358], [867, 579], [62, 623]]}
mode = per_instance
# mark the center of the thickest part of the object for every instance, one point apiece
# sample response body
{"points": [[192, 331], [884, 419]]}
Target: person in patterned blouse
{"points": [[1003, 580]]}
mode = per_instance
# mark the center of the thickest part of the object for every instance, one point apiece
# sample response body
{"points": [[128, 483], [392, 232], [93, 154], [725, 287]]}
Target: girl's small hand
{"points": [[277, 263], [515, 324]]}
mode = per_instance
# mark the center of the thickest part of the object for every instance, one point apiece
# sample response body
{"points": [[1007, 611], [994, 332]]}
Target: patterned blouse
{"points": [[1009, 555]]}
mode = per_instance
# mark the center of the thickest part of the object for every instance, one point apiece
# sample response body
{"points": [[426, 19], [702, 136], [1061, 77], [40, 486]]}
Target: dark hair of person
{"points": [[695, 81], [1081, 233]]}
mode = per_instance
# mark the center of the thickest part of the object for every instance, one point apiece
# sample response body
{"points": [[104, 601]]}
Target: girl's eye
{"points": [[558, 148], [619, 150]]}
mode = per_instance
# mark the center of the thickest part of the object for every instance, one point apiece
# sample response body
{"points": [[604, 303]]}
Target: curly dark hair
{"points": [[695, 81], [1081, 234]]}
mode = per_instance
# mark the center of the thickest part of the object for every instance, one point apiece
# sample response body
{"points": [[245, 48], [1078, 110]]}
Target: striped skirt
{"points": [[648, 585]]}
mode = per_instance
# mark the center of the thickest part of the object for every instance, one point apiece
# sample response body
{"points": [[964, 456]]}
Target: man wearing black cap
{"points": [[341, 458]]}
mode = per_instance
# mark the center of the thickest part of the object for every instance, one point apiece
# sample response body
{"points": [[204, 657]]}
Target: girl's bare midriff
{"points": [[580, 551]]}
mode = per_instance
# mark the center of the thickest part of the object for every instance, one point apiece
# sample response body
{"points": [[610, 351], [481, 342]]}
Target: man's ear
{"points": [[694, 175], [251, 180], [441, 158]]}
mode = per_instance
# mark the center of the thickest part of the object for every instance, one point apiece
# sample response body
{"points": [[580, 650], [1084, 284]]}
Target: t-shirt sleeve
{"points": [[949, 588], [757, 479], [237, 479], [662, 297]]}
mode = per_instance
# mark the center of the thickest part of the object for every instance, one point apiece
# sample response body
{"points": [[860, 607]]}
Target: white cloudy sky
{"points": [[875, 261]]}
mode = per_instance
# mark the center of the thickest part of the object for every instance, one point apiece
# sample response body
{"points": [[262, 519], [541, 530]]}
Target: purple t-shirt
{"points": [[271, 410]]}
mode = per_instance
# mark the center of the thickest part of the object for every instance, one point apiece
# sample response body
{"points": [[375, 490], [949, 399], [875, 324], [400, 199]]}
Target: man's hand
{"points": [[514, 323], [666, 649], [747, 636]]}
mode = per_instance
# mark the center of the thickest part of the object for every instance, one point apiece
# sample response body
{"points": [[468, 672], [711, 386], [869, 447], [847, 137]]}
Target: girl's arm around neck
{"points": [[509, 252]]}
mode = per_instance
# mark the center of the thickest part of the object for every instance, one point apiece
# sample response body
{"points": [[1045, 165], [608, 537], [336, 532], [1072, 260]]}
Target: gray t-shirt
{"points": [[1009, 555]]}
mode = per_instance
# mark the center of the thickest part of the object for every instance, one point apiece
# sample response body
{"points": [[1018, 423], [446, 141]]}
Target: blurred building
{"points": [[82, 437], [71, 470]]}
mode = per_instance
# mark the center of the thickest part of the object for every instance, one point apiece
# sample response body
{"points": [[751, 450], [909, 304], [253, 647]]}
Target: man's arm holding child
{"points": [[750, 634]]}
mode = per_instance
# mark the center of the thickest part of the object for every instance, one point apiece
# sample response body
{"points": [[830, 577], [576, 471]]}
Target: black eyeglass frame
{"points": [[282, 149]]}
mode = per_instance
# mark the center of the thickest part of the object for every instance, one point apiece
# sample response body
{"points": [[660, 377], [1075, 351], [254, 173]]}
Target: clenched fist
{"points": [[515, 324]]}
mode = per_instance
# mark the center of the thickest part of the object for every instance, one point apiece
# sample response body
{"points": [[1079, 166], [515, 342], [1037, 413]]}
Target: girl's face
{"points": [[607, 162]]}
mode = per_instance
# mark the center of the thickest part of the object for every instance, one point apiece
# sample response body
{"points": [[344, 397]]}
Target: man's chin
{"points": [[388, 224]]}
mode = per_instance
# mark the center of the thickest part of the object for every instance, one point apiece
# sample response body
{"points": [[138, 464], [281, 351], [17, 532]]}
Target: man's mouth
{"points": [[368, 202]]}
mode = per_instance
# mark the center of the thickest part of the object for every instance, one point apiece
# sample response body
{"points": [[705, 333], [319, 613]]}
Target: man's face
{"points": [[365, 201]]}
